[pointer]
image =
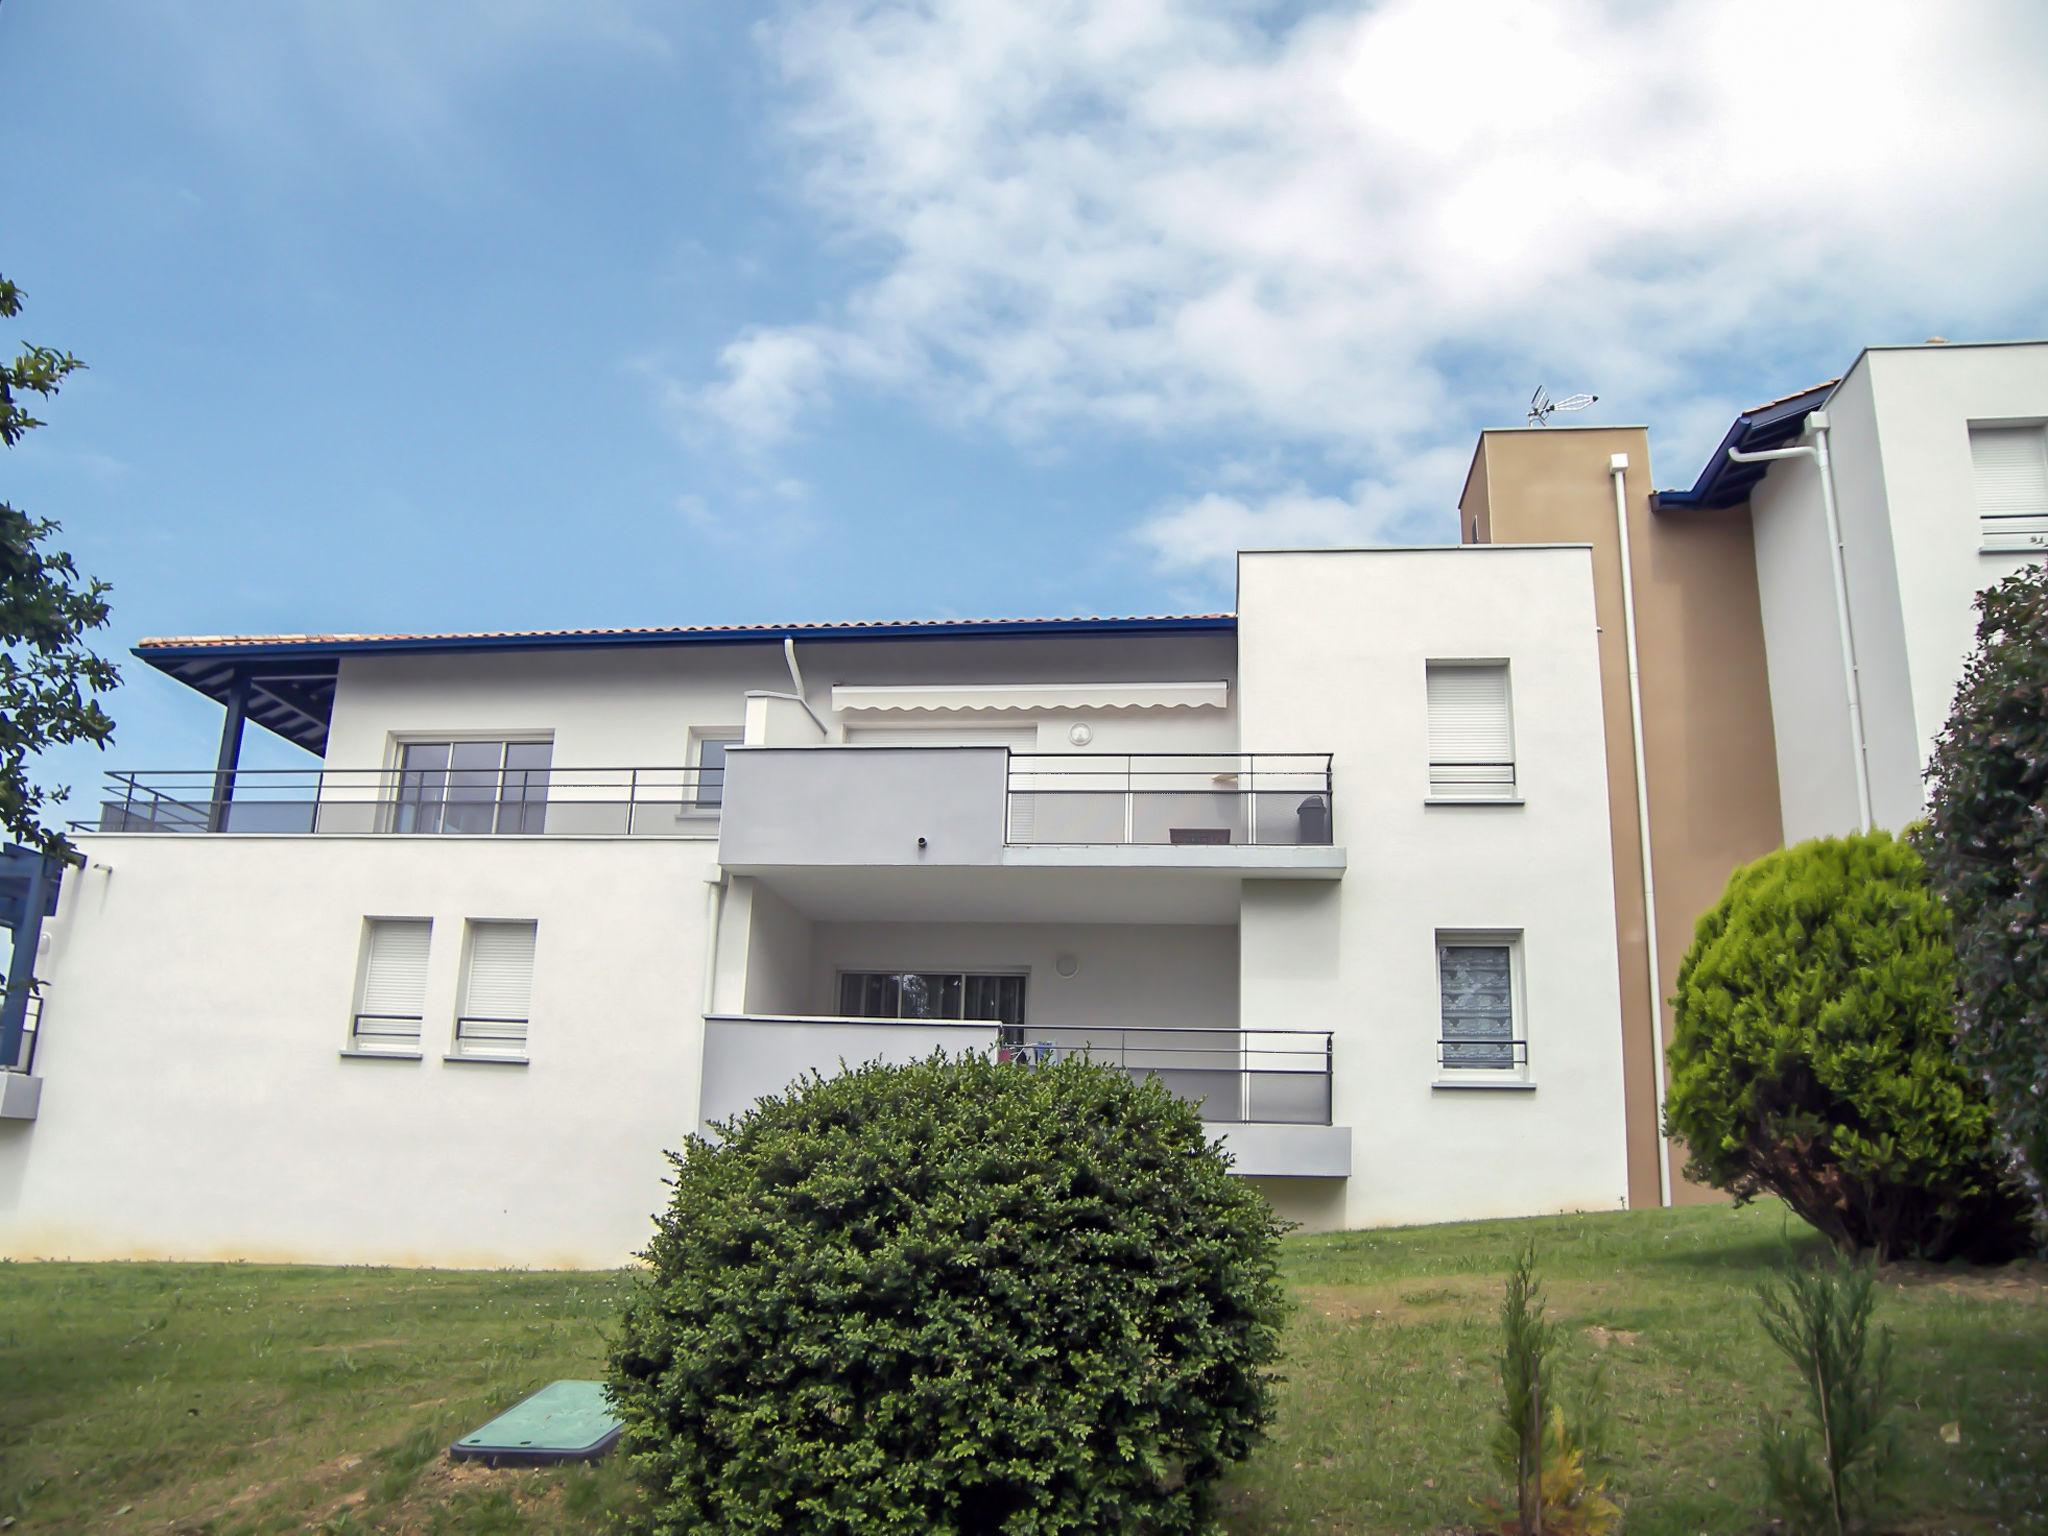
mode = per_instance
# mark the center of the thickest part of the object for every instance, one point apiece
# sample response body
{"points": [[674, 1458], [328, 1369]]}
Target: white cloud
{"points": [[1410, 504], [1359, 231]]}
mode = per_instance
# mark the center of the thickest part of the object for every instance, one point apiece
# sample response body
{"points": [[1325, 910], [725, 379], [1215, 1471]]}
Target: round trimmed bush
{"points": [[1814, 1056], [959, 1296]]}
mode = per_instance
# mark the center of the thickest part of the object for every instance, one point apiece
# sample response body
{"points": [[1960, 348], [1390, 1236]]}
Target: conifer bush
{"points": [[1814, 1057], [960, 1296]]}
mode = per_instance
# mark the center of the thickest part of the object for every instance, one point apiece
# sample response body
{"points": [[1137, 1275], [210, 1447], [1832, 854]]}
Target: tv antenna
{"points": [[1542, 407]]}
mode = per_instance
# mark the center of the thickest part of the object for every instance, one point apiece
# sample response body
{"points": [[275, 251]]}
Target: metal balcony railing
{"points": [[1266, 799], [588, 802], [1471, 781], [1234, 1076]]}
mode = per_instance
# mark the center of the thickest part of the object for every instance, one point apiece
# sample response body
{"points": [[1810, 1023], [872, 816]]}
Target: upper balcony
{"points": [[873, 807], [445, 801]]}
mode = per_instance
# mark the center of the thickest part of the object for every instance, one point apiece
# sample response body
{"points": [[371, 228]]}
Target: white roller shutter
{"points": [[1471, 742], [497, 995], [394, 986], [2010, 465]]}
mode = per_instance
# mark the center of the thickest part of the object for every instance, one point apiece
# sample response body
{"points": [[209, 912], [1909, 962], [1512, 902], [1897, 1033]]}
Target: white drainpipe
{"points": [[714, 913], [1617, 466], [1817, 450]]}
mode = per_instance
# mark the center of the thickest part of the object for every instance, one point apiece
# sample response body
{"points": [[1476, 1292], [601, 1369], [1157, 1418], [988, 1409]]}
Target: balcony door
{"points": [[472, 787], [996, 997]]}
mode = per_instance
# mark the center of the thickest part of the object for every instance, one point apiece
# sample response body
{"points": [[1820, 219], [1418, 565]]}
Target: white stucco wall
{"points": [[1802, 636], [1899, 438], [196, 1105], [634, 707], [1927, 398], [1333, 648]]}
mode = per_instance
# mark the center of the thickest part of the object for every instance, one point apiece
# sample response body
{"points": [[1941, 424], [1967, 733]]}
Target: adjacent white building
{"points": [[1331, 867], [1939, 458]]}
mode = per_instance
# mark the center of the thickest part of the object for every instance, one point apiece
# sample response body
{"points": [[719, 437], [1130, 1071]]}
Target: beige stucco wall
{"points": [[1708, 748]]}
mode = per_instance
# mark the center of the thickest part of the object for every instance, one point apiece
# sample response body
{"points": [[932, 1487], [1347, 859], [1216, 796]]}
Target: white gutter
{"points": [[1617, 466], [714, 913], [1817, 450]]}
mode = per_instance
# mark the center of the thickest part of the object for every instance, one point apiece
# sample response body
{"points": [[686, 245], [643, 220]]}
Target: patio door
{"points": [[993, 996]]}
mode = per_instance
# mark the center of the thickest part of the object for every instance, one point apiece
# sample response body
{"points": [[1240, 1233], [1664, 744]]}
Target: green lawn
{"points": [[154, 1397]]}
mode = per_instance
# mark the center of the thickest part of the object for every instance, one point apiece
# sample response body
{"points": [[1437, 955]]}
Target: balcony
{"points": [[1266, 1091], [1179, 800], [564, 802], [982, 834]]}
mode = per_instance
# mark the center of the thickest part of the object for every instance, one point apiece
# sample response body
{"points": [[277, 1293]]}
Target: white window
{"points": [[2010, 464], [1479, 981], [996, 997], [497, 990], [472, 786], [1471, 740], [704, 784], [391, 985]]}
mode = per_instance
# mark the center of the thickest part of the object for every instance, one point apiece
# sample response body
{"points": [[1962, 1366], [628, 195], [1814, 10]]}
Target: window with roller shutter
{"points": [[2009, 465], [1471, 737], [497, 990], [391, 988]]}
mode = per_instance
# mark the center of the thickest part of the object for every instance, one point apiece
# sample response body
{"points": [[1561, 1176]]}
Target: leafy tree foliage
{"points": [[1986, 844], [48, 675], [957, 1297], [1814, 1056]]}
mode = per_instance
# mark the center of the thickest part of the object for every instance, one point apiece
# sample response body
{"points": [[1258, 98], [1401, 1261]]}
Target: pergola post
{"points": [[21, 969], [230, 752]]}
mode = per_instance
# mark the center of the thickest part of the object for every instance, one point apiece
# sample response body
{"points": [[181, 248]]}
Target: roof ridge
{"points": [[156, 642]]}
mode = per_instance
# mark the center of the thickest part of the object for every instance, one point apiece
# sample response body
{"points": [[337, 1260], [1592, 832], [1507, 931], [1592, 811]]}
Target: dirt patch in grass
{"points": [[2025, 1281]]}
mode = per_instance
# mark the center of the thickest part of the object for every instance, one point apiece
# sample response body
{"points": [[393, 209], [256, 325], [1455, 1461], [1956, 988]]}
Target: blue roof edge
{"points": [[740, 635], [1724, 483]]}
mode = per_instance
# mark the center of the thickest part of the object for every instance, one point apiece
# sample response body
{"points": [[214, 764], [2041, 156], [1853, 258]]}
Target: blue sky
{"points": [[515, 314]]}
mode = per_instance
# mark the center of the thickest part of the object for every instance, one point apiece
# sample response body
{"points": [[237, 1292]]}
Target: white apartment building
{"points": [[1334, 867], [1389, 870]]}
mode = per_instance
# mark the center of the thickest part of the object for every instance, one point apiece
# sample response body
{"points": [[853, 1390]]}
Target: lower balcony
{"points": [[1266, 1092]]}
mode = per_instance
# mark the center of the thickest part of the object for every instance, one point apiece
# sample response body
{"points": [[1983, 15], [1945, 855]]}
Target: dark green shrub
{"points": [[961, 1296], [1814, 1056], [1986, 844], [1827, 1479]]}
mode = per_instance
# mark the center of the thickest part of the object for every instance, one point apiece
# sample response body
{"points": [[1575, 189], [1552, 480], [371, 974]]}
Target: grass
{"points": [[244, 1399]]}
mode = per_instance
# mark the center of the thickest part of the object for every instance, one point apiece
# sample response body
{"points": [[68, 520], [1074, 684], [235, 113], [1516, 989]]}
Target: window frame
{"points": [[1446, 792], [410, 1047], [1008, 1034], [504, 740], [1992, 539], [694, 802], [461, 1048], [1518, 1072]]}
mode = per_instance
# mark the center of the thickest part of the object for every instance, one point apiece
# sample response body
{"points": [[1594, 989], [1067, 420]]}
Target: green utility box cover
{"points": [[563, 1421]]}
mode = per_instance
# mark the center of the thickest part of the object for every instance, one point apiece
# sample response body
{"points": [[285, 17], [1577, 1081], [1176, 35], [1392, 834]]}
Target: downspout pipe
{"points": [[1817, 450], [1617, 468], [796, 679]]}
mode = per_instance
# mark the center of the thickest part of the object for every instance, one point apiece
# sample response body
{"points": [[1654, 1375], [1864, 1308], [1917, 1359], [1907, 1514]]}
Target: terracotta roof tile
{"points": [[1824, 384]]}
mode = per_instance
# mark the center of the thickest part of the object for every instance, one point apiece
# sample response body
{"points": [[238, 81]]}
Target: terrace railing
{"points": [[585, 802], [1235, 1076], [1186, 798]]}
